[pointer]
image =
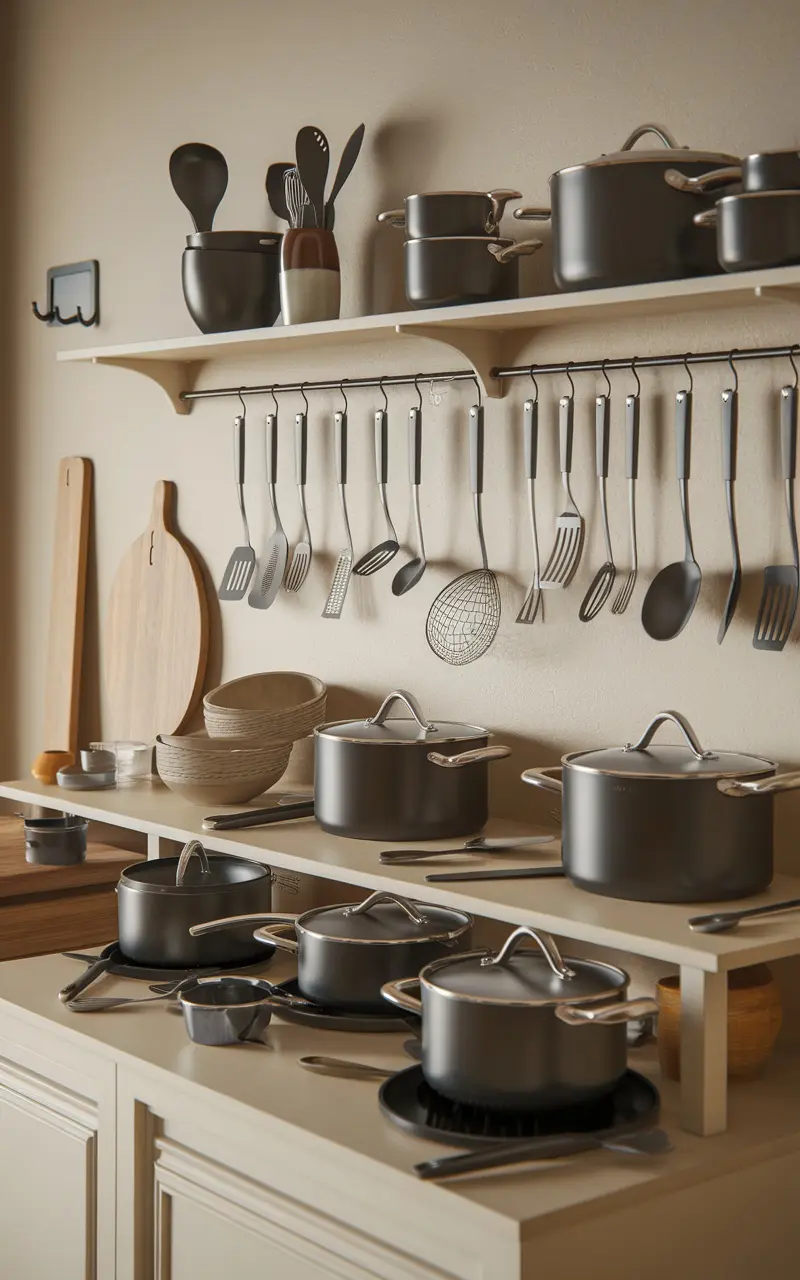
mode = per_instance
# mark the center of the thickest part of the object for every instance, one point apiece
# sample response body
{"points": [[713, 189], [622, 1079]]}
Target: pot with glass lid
{"points": [[654, 822]]}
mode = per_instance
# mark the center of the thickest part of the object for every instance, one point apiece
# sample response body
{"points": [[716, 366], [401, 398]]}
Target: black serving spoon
{"points": [[199, 175]]}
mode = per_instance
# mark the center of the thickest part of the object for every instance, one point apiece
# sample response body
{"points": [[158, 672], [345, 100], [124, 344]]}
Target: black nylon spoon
{"points": [[276, 191], [199, 176], [349, 157], [313, 156]]}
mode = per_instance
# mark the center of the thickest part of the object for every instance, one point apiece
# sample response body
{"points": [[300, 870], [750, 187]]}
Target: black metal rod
{"points": [[332, 384], [650, 362]]}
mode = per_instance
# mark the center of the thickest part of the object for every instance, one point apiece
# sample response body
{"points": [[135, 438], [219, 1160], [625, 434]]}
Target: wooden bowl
{"points": [[754, 1020], [277, 706], [221, 777]]}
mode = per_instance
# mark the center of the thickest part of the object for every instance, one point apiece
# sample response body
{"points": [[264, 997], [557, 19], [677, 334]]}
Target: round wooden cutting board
{"points": [[156, 631]]}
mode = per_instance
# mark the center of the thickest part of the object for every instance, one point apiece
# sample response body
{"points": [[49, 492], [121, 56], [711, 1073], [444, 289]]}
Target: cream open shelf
{"points": [[656, 930], [486, 335]]}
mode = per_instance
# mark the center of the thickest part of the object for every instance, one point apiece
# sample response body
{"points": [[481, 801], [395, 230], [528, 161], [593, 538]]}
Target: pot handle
{"points": [[547, 945], [781, 782], [671, 717], [576, 1015], [541, 778], [397, 993], [408, 700], [272, 934], [235, 922], [381, 895], [532, 214], [499, 201], [703, 182], [523, 249], [657, 130], [394, 217], [707, 218], [187, 852], [468, 757]]}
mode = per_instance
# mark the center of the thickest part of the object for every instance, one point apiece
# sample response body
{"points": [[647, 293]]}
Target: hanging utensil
{"points": [[723, 921], [778, 606], [344, 1067], [379, 556], [730, 427], [672, 595], [643, 1142], [199, 176], [533, 601], [464, 618], [623, 597], [100, 1004], [301, 556], [566, 554], [344, 565], [275, 184], [349, 157], [239, 570], [603, 581], [505, 873], [313, 155], [410, 573], [495, 844], [272, 564]]}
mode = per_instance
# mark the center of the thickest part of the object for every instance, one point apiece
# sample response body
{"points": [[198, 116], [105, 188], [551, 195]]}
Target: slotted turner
{"points": [[566, 554], [344, 565], [239, 571], [779, 592], [379, 556], [272, 564], [301, 556]]}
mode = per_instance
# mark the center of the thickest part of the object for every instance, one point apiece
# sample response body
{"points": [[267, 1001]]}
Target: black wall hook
{"points": [[73, 295]]}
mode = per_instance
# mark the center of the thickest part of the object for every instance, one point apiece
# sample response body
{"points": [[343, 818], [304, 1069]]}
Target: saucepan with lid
{"points": [[521, 1029], [662, 823], [450, 213]]}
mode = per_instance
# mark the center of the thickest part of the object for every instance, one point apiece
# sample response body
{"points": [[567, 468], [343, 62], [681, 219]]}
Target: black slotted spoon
{"points": [[778, 605]]}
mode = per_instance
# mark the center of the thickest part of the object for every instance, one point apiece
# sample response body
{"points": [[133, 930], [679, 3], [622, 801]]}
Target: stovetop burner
{"points": [[342, 1019], [122, 967], [409, 1102]]}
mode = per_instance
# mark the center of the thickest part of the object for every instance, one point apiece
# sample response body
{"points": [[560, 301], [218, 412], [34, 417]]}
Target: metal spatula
{"points": [[301, 557], [779, 593], [272, 564], [239, 571], [566, 554], [344, 565]]}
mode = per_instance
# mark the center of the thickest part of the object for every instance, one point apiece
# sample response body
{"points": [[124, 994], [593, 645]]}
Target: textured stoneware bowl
{"points": [[213, 777], [276, 706]]}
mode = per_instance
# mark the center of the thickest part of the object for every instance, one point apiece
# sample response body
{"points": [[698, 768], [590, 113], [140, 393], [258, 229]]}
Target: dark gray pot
{"points": [[755, 229], [459, 269], [450, 213], [231, 289]]}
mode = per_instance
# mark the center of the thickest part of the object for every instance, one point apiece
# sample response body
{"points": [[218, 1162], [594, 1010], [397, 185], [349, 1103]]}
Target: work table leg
{"points": [[704, 1051]]}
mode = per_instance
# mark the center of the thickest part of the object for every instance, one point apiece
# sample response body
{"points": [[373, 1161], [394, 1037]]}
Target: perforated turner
{"points": [[566, 554], [272, 562], [239, 570], [301, 557], [778, 606], [344, 565]]}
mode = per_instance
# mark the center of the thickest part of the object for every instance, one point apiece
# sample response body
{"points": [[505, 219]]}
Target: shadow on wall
{"points": [[8, 409]]}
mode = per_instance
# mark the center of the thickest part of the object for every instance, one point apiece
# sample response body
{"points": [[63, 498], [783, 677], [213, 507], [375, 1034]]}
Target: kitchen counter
{"points": [[357, 1161]]}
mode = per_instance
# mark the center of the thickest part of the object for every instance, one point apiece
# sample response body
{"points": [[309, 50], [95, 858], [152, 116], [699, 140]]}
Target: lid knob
{"points": [[548, 947], [686, 729], [408, 699]]}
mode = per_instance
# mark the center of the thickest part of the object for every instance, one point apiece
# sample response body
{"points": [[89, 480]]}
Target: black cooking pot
{"points": [[763, 171], [229, 289], [449, 270], [159, 900], [402, 779], [521, 1029], [755, 230], [663, 824], [345, 954], [450, 213], [616, 221]]}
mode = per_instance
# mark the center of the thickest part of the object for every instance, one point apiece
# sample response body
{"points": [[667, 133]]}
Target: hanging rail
{"points": [[333, 384]]}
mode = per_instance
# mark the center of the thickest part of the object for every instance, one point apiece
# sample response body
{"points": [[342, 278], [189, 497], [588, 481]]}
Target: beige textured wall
{"points": [[453, 94]]}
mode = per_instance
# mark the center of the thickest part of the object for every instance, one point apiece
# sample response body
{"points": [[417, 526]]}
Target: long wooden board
{"points": [[67, 605]]}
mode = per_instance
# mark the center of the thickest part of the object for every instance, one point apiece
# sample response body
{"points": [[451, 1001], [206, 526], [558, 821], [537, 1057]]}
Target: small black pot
{"points": [[346, 953], [755, 230], [231, 289], [449, 270], [451, 213], [55, 842]]}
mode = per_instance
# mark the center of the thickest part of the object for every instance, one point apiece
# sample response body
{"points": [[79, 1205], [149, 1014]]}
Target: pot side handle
{"points": [[274, 937], [393, 217], [532, 213], [463, 758], [703, 182], [397, 993], [576, 1015], [541, 778], [706, 218], [236, 922], [522, 249], [737, 789]]}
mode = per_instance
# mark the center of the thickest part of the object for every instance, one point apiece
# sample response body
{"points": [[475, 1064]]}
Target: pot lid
{"points": [[158, 875], [669, 153], [379, 728], [383, 917], [641, 759], [523, 978]]}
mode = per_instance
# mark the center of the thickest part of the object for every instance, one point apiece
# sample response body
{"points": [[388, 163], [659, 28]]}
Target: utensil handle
{"points": [[632, 437], [730, 427], [301, 446], [238, 448], [602, 430], [789, 431], [476, 448], [505, 1153], [566, 415], [344, 1068], [415, 445], [530, 436], [505, 873], [85, 980], [271, 446], [258, 817], [732, 918], [683, 433], [382, 445], [340, 434]]}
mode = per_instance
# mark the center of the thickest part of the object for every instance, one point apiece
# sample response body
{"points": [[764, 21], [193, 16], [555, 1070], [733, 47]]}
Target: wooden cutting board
{"points": [[156, 631], [67, 604]]}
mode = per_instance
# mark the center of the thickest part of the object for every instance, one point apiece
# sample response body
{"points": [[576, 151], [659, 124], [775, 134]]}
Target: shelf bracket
{"points": [[778, 293], [481, 347], [173, 376]]}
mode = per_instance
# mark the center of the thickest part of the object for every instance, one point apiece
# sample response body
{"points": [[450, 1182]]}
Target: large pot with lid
{"points": [[659, 823], [521, 1029], [346, 953], [402, 777], [616, 221]]}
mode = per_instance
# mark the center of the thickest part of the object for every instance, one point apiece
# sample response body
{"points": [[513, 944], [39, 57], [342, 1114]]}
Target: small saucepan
{"points": [[233, 1009], [346, 953], [448, 270], [450, 213], [763, 171], [755, 230]]}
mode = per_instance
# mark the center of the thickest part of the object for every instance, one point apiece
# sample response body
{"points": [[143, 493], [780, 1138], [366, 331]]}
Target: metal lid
{"points": [[383, 917], [523, 978], [670, 152], [640, 759], [380, 729], [157, 875]]}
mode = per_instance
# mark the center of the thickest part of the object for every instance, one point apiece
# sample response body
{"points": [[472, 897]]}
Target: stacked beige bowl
{"points": [[253, 724]]}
